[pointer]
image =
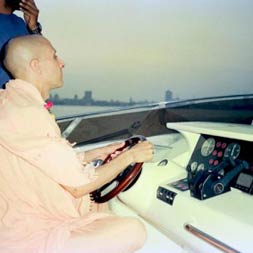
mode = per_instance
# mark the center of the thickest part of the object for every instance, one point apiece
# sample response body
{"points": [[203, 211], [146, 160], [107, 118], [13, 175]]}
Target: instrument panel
{"points": [[218, 163]]}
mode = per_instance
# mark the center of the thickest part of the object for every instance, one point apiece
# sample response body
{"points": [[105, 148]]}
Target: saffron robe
{"points": [[36, 214]]}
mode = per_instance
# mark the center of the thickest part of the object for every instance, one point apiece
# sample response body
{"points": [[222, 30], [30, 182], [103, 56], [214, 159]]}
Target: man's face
{"points": [[13, 4], [51, 67]]}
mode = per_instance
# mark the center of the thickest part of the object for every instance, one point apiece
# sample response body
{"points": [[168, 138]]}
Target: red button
{"points": [[214, 152], [218, 144], [211, 161], [224, 145], [220, 154], [216, 162]]}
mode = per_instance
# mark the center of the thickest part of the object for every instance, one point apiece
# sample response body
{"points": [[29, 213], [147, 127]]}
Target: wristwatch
{"points": [[37, 29]]}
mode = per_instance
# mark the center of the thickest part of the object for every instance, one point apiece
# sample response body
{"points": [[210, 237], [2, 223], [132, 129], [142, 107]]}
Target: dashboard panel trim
{"points": [[209, 239]]}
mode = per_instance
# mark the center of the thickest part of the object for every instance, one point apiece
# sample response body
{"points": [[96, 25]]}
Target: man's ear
{"points": [[35, 65]]}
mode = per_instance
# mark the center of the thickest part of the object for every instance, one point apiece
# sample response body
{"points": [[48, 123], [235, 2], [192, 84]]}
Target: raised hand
{"points": [[31, 13]]}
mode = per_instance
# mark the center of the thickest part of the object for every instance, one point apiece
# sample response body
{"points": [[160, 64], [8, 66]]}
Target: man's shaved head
{"points": [[32, 58], [21, 50]]}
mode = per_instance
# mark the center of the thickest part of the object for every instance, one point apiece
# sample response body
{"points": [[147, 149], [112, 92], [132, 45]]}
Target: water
{"points": [[68, 110]]}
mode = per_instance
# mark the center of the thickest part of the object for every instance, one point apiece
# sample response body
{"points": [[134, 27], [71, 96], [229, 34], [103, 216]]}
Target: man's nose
{"points": [[61, 63]]}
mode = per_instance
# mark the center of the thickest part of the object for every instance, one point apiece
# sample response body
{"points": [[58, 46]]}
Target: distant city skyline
{"points": [[88, 99], [121, 49]]}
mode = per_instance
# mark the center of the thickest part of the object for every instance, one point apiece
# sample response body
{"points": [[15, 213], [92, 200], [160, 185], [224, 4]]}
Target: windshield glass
{"points": [[122, 53]]}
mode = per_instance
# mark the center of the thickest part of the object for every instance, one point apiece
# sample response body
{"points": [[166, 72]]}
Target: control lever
{"points": [[216, 184], [196, 180]]}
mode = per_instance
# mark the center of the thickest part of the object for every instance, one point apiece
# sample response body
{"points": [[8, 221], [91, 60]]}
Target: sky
{"points": [[138, 49]]}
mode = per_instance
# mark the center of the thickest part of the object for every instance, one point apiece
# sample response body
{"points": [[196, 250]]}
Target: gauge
{"points": [[201, 167], [194, 166], [218, 188], [233, 150], [208, 147]]}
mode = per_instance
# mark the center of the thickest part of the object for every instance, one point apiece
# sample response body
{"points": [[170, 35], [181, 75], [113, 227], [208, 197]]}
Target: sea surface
{"points": [[68, 110]]}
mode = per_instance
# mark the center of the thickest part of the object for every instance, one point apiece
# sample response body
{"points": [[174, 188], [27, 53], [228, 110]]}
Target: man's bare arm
{"points": [[102, 152], [142, 152]]}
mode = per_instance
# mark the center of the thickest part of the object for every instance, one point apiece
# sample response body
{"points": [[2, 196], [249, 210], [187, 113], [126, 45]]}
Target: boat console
{"points": [[197, 192]]}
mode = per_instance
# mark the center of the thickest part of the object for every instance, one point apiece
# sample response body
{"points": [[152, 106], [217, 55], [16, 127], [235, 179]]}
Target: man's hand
{"points": [[31, 13], [142, 152]]}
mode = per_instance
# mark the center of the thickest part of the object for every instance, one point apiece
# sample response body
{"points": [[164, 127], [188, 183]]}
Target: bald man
{"points": [[44, 187], [33, 59]]}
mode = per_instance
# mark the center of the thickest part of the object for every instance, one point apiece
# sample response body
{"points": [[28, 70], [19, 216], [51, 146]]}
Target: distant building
{"points": [[168, 95], [87, 98], [131, 101], [56, 98]]}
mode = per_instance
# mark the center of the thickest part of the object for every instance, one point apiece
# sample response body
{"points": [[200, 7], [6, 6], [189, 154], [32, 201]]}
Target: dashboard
{"points": [[198, 189], [217, 164]]}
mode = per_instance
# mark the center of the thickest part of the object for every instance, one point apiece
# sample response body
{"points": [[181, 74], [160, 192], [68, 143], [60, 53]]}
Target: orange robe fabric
{"points": [[36, 214]]}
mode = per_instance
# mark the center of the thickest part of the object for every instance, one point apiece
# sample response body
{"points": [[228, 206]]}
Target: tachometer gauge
{"points": [[208, 147], [233, 150]]}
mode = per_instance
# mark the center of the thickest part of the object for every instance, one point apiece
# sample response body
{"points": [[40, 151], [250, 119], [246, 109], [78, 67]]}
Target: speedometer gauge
{"points": [[233, 150], [208, 147]]}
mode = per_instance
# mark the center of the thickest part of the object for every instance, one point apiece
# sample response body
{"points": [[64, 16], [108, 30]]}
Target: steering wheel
{"points": [[124, 180]]}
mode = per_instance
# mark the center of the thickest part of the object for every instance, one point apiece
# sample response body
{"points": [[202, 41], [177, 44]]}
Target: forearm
{"points": [[102, 152], [93, 154], [105, 174], [109, 171], [141, 152]]}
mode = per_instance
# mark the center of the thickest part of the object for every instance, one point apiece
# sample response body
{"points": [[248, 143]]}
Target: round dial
{"points": [[218, 188], [208, 147], [233, 150], [201, 167], [194, 166]]}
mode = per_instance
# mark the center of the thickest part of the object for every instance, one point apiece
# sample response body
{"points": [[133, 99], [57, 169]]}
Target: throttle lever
{"points": [[226, 180], [215, 184], [196, 182]]}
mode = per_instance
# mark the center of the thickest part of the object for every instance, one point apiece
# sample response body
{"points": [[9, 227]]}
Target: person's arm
{"points": [[31, 14], [141, 152], [102, 152]]}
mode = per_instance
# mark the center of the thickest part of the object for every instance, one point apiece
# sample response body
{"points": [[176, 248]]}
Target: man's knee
{"points": [[136, 231]]}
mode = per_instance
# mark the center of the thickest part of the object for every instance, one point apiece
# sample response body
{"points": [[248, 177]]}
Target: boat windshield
{"points": [[122, 54]]}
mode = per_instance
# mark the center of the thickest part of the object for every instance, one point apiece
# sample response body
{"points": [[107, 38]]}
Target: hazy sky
{"points": [[140, 48]]}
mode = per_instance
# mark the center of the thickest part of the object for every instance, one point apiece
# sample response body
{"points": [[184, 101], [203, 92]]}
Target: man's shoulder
{"points": [[21, 104], [26, 119], [9, 18], [11, 26]]}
